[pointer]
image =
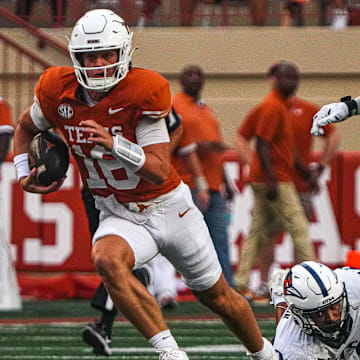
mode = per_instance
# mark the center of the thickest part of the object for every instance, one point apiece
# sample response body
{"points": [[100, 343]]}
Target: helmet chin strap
{"points": [[343, 333]]}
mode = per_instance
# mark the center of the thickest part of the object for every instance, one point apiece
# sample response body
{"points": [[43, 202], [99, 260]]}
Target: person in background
{"points": [[257, 10], [202, 137], [9, 294], [271, 176], [293, 13], [116, 131], [57, 7], [301, 113], [6, 129], [158, 276]]}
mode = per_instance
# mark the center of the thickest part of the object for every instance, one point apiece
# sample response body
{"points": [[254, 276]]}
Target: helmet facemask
{"points": [[101, 30], [329, 332]]}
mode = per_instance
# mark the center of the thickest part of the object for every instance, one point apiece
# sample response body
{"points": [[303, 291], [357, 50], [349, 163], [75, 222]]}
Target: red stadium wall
{"points": [[47, 233], [50, 233]]}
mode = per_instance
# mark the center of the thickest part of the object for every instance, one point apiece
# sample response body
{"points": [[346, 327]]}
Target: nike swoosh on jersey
{"points": [[114, 111], [184, 213]]}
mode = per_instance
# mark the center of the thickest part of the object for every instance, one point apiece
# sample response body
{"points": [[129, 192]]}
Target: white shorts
{"points": [[170, 224]]}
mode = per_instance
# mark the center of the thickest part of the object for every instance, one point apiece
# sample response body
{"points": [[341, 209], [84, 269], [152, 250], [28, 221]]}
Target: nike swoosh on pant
{"points": [[184, 213]]}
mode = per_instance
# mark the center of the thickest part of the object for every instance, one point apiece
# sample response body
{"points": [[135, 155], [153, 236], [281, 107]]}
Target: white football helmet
{"points": [[100, 30], [311, 288]]}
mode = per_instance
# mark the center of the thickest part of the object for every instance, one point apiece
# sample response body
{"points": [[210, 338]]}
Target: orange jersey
{"points": [[6, 124], [301, 113], [274, 125], [199, 124], [142, 93]]}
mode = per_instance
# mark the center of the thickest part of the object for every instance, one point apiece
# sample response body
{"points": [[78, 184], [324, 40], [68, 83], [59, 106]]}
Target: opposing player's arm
{"points": [[275, 286], [335, 112], [280, 308]]}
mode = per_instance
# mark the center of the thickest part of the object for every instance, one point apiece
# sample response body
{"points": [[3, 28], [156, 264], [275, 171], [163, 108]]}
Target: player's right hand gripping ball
{"points": [[50, 155]]}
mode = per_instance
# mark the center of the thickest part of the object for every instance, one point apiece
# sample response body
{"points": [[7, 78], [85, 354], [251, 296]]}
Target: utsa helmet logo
{"points": [[289, 289], [287, 283]]}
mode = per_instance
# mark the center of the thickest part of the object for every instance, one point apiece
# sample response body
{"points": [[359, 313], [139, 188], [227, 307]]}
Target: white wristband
{"points": [[22, 167], [201, 183], [130, 154], [267, 352]]}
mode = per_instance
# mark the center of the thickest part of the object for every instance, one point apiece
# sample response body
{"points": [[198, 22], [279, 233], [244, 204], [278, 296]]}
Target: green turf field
{"points": [[52, 331]]}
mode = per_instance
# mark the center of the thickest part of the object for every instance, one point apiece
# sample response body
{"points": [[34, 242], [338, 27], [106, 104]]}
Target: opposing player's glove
{"points": [[275, 285], [332, 113]]}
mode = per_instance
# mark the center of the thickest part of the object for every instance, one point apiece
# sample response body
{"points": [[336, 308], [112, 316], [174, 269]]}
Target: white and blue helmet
{"points": [[100, 30], [311, 288]]}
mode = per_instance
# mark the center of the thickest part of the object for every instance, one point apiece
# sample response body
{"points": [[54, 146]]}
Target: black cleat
{"points": [[94, 335]]}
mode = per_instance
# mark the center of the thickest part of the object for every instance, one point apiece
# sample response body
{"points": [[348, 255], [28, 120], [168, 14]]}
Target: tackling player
{"points": [[317, 312], [112, 116]]}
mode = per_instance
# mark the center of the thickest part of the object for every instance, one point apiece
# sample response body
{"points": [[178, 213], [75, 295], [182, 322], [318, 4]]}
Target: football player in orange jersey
{"points": [[112, 116], [158, 276]]}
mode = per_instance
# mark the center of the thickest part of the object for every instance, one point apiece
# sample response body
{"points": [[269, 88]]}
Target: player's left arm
{"points": [[151, 162], [280, 308]]}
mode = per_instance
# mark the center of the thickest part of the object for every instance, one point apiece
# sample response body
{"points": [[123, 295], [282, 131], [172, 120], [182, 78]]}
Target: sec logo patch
{"points": [[65, 111]]}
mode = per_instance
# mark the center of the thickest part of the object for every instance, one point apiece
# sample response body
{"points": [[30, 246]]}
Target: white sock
{"points": [[163, 340], [266, 353]]}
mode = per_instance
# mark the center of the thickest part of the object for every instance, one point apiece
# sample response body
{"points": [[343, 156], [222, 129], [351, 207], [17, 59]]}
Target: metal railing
{"points": [[19, 73], [43, 38], [56, 13]]}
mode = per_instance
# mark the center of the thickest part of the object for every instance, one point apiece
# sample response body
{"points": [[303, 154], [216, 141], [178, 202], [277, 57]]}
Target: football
{"points": [[50, 155]]}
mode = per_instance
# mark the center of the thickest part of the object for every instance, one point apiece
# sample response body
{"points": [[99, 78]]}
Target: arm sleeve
{"points": [[38, 117], [150, 132]]}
